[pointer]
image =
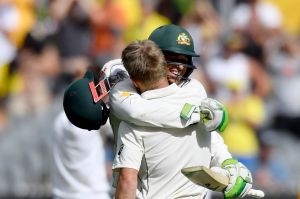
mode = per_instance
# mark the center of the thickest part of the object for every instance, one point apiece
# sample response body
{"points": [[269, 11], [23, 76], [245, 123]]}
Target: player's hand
{"points": [[213, 114], [112, 67], [240, 179]]}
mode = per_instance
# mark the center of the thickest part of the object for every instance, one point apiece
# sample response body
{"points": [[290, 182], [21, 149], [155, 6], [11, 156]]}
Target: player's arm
{"points": [[219, 150], [128, 105], [127, 184], [127, 161]]}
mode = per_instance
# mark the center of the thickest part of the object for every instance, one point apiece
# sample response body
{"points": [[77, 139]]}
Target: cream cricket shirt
{"points": [[159, 154]]}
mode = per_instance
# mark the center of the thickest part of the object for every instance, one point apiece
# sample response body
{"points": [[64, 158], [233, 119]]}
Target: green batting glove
{"points": [[213, 114], [240, 179]]}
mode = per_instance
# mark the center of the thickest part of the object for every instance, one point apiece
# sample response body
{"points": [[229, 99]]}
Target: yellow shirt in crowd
{"points": [[240, 135]]}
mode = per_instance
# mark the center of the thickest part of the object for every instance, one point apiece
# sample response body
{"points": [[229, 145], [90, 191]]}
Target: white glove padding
{"points": [[213, 114], [240, 179], [112, 67]]}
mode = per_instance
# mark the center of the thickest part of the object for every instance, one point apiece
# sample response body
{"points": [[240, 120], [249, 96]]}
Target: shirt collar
{"points": [[161, 92]]}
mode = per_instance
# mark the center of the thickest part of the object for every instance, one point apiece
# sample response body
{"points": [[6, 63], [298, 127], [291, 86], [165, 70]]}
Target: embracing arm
{"points": [[129, 106], [189, 108]]}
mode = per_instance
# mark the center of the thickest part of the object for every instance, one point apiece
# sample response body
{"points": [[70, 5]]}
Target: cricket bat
{"points": [[206, 177], [212, 180]]}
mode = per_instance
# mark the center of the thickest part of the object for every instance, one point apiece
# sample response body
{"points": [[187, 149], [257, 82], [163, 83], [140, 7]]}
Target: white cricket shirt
{"points": [[78, 169], [159, 154]]}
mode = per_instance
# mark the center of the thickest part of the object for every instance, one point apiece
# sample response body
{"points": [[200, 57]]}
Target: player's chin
{"points": [[172, 78]]}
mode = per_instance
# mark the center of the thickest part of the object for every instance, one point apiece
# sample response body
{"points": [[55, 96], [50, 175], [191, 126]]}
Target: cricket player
{"points": [[149, 158], [77, 153], [78, 169]]}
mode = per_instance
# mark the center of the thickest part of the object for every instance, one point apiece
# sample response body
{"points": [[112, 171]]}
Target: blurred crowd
{"points": [[249, 60]]}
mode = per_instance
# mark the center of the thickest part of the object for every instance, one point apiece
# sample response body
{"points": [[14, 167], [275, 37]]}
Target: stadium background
{"points": [[43, 42]]}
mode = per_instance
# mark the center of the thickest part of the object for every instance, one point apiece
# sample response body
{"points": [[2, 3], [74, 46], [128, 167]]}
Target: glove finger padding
{"points": [[213, 114], [206, 114], [240, 179]]}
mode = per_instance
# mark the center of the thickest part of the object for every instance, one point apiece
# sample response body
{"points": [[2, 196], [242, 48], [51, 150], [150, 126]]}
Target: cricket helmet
{"points": [[80, 106], [175, 39]]}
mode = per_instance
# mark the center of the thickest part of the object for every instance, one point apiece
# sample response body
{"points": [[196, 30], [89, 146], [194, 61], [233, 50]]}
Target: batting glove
{"points": [[213, 114], [112, 67], [240, 179]]}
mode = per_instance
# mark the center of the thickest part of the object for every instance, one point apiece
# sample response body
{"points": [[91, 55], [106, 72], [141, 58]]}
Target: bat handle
{"points": [[255, 193]]}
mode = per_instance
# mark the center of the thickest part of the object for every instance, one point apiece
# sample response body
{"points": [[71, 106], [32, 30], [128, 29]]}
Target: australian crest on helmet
{"points": [[183, 39]]}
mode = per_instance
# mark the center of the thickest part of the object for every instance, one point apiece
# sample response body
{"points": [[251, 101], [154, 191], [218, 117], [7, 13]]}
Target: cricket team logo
{"points": [[183, 39]]}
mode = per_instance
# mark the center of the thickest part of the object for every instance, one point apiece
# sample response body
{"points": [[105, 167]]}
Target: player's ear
{"points": [[138, 85], [135, 82]]}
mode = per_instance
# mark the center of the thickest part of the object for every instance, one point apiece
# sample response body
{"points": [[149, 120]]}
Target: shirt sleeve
{"points": [[130, 150], [129, 106], [219, 149]]}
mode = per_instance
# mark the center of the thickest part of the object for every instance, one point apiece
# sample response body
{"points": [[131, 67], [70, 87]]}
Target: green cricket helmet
{"points": [[83, 105], [175, 39]]}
